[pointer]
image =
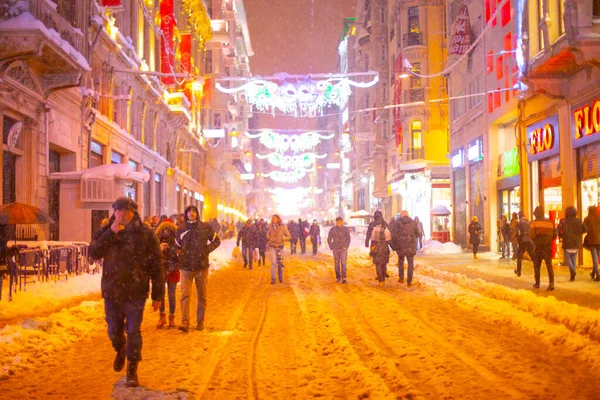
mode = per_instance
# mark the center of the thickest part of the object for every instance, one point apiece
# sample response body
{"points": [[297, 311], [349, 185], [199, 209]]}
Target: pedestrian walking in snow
{"points": [[380, 238], [261, 240], [338, 240], [513, 234], [248, 236], [592, 239], [404, 242], [570, 229], [294, 229], [315, 233], [132, 258], [166, 236], [542, 232], [475, 232], [504, 236], [419, 240], [524, 240], [304, 231], [277, 235], [196, 240]]}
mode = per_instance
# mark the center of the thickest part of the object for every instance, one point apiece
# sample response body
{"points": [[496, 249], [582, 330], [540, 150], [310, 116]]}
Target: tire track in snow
{"points": [[219, 350], [252, 378]]}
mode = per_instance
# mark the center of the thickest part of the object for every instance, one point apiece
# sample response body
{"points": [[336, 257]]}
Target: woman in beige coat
{"points": [[277, 234]]}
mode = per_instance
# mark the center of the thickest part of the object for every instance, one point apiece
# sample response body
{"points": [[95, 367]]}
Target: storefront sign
{"points": [[475, 151], [543, 138], [458, 159], [586, 123], [167, 52], [510, 163]]}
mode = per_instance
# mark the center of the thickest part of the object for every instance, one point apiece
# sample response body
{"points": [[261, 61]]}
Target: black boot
{"points": [[132, 378], [119, 362], [573, 273]]}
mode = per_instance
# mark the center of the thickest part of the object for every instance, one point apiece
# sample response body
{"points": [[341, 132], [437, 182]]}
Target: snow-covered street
{"points": [[457, 334]]}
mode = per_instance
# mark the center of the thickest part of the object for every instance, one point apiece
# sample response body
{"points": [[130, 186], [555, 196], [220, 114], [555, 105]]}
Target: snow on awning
{"points": [[105, 172]]}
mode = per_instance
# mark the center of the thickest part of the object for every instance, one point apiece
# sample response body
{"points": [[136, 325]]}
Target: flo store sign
{"points": [[543, 139], [586, 123]]}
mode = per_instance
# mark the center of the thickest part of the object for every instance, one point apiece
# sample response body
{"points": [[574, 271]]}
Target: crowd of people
{"points": [[535, 239]]}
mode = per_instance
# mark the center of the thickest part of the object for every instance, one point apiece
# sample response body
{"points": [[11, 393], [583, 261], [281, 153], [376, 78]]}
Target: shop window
{"points": [[505, 13]]}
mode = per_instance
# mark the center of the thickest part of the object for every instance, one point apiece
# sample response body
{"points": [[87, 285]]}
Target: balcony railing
{"points": [[412, 39], [412, 95], [46, 12], [417, 153]]}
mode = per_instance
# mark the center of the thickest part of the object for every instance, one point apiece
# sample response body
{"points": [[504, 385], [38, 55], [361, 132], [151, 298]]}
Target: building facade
{"points": [[93, 86]]}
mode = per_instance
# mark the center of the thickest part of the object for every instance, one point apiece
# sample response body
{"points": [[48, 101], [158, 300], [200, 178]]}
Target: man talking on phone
{"points": [[132, 258]]}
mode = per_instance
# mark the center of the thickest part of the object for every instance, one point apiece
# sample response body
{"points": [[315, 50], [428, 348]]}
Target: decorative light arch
{"points": [[287, 176], [306, 160], [282, 142]]}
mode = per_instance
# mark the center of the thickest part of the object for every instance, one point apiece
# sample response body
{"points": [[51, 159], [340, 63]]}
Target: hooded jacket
{"points": [[132, 258], [592, 223], [196, 240], [570, 230], [404, 236], [541, 230], [523, 229], [294, 229], [166, 234], [261, 235], [377, 220]]}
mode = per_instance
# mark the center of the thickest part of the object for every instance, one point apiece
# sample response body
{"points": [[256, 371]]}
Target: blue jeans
{"points": [[571, 260], [247, 255], [125, 316], [410, 260], [187, 280], [594, 251], [339, 259], [171, 287], [505, 249], [276, 264]]}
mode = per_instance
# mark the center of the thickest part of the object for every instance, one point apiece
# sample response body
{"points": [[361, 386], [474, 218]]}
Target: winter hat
{"points": [[125, 203], [404, 213], [378, 215], [475, 219], [339, 219], [538, 212], [571, 212]]}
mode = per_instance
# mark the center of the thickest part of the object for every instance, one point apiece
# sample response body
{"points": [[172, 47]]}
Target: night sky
{"points": [[281, 39]]}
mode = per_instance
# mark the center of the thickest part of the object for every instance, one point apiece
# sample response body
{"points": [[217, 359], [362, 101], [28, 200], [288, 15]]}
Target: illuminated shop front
{"points": [[546, 170], [476, 179], [508, 184], [459, 196], [586, 139]]}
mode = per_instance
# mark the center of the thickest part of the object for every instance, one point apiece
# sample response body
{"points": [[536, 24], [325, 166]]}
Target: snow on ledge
{"points": [[26, 21], [106, 172]]}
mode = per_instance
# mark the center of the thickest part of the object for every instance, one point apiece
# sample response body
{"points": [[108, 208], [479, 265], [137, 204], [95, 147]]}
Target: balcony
{"points": [[220, 28], [47, 48], [417, 153], [414, 95], [412, 39]]}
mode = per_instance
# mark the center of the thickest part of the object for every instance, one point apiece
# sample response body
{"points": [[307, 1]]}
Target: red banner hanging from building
{"points": [[167, 52], [398, 70], [112, 3], [185, 60], [460, 40]]}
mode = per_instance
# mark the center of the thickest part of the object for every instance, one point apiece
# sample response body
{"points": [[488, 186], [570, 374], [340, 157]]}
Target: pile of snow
{"points": [[31, 343], [435, 247], [40, 297]]}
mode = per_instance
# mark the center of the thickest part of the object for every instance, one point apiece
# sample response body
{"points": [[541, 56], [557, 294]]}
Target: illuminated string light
{"points": [[282, 142], [301, 96], [287, 176], [306, 160]]}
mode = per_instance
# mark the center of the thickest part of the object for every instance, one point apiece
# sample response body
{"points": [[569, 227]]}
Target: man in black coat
{"points": [[196, 240], [248, 236], [404, 237], [132, 258]]}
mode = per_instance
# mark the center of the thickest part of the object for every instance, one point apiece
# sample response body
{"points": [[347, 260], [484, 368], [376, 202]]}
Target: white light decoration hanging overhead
{"points": [[306, 160], [298, 95], [287, 176], [282, 142]]}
